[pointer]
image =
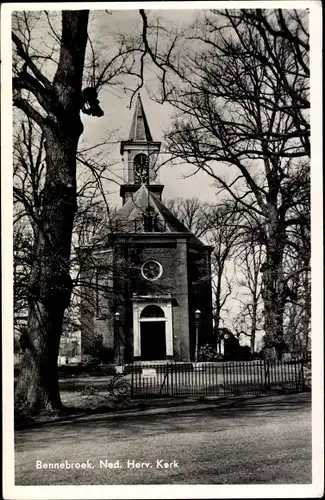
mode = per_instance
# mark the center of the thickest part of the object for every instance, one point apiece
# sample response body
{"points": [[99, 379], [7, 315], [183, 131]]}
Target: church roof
{"points": [[139, 130], [129, 217]]}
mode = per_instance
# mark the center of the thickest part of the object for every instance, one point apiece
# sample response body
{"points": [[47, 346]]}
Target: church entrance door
{"points": [[153, 340]]}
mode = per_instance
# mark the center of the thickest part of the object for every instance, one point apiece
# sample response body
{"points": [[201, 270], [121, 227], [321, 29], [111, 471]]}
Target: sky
{"points": [[117, 114], [104, 29], [117, 118]]}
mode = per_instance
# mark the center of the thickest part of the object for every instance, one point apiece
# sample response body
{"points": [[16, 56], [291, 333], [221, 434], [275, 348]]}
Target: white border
{"points": [[166, 491]]}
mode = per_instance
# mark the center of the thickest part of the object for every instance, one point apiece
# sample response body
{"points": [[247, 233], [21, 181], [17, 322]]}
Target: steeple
{"points": [[140, 130], [140, 153]]}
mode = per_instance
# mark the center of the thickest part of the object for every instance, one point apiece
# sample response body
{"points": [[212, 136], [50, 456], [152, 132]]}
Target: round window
{"points": [[151, 270]]}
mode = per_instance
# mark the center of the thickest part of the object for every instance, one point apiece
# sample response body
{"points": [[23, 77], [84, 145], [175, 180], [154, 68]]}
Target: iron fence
{"points": [[217, 379]]}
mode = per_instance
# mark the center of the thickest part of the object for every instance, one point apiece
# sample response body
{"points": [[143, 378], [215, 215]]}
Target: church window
{"points": [[152, 311], [141, 169], [151, 270]]}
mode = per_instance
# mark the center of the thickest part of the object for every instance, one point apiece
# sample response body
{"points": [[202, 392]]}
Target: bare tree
{"points": [[192, 213], [243, 98], [57, 112], [220, 226], [223, 237], [249, 319], [92, 216], [48, 77], [297, 266]]}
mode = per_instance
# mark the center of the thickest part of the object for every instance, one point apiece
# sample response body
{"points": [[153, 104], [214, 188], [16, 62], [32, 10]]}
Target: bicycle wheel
{"points": [[122, 389]]}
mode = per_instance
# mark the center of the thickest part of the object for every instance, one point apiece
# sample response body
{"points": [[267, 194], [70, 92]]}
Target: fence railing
{"points": [[218, 379], [140, 225]]}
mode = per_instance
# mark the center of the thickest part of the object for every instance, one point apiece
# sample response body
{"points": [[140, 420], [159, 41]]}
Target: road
{"points": [[263, 440]]}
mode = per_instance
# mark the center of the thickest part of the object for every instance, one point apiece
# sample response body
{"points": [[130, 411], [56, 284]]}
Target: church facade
{"points": [[148, 272]]}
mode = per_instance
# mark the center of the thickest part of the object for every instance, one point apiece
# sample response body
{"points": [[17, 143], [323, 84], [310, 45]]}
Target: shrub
{"points": [[256, 355], [209, 353], [269, 354], [89, 390]]}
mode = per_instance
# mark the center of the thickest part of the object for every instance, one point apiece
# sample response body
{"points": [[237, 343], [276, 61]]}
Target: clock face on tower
{"points": [[141, 169]]}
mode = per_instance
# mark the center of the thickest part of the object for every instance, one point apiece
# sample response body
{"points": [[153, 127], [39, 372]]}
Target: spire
{"points": [[139, 129]]}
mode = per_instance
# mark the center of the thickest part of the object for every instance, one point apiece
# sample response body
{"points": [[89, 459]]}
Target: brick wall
{"points": [[186, 275]]}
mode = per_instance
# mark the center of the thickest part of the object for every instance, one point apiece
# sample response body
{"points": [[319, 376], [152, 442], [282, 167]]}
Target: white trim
{"points": [[169, 330], [151, 299], [144, 320], [140, 303], [136, 331], [160, 270], [142, 146]]}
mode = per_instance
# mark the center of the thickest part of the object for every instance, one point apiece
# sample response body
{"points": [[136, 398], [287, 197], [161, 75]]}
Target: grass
{"points": [[75, 403]]}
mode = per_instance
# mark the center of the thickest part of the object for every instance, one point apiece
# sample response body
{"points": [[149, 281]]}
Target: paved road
{"points": [[265, 440]]}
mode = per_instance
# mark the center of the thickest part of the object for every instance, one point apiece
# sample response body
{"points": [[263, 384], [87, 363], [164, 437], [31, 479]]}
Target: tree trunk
{"points": [[50, 282], [307, 311], [50, 285], [254, 324], [217, 315], [273, 295], [37, 386]]}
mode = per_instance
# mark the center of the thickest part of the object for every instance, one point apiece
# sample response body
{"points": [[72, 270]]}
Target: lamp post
{"points": [[197, 315], [117, 335]]}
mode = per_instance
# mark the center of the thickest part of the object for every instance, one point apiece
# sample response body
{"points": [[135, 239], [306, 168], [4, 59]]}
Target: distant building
{"points": [[149, 273], [227, 344]]}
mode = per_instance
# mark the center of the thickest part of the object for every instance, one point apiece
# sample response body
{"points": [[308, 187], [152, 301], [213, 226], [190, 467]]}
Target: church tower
{"points": [[149, 270], [140, 153]]}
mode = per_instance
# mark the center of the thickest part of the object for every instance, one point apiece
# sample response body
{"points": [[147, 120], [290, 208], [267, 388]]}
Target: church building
{"points": [[148, 272]]}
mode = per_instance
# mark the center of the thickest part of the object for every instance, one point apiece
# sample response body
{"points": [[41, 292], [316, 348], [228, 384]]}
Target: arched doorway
{"points": [[153, 333]]}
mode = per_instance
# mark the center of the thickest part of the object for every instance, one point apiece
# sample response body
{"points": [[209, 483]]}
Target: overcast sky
{"points": [[117, 118]]}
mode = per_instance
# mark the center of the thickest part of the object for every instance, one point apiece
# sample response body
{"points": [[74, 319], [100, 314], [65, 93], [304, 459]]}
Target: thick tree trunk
{"points": [[37, 386], [50, 283], [273, 296]]}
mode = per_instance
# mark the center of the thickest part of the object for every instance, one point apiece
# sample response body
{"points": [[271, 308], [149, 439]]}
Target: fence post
{"points": [[214, 380], [267, 374], [131, 379], [302, 376], [223, 377], [297, 377]]}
